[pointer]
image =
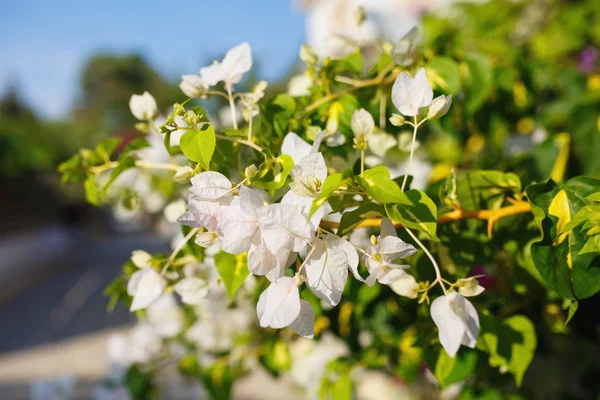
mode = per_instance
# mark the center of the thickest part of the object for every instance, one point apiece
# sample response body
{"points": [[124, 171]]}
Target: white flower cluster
{"points": [[239, 218]]}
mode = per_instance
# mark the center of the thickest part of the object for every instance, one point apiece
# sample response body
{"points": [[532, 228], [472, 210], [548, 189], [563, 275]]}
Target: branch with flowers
{"points": [[265, 195]]}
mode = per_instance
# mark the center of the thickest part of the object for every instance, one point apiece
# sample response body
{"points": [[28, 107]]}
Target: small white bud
{"points": [[439, 106], [397, 120], [308, 55], [183, 174], [469, 287]]}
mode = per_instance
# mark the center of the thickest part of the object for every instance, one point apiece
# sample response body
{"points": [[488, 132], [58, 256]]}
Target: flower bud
{"points": [[439, 106], [397, 120], [206, 239], [469, 287], [191, 118], [178, 109], [308, 55], [250, 171], [183, 174]]}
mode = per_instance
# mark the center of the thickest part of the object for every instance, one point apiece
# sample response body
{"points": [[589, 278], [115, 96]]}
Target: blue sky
{"points": [[43, 44]]}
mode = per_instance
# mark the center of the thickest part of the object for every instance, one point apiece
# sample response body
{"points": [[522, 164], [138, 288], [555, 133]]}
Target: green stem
{"points": [[438, 274], [177, 249], [412, 151], [231, 105]]}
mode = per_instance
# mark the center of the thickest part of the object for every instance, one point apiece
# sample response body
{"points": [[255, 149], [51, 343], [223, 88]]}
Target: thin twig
{"points": [[492, 216]]}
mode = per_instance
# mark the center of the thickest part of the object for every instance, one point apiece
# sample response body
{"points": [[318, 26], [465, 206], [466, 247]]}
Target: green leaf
{"points": [[448, 370], [91, 190], [199, 145], [286, 102], [420, 215], [557, 254], [485, 189], [573, 306], [510, 343], [333, 186], [136, 144], [200, 112], [351, 219], [72, 170], [105, 148], [272, 174], [233, 270], [479, 81], [448, 78], [376, 183], [234, 133]]}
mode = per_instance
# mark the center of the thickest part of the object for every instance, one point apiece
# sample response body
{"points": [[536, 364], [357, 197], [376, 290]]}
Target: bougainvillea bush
{"points": [[404, 218]]}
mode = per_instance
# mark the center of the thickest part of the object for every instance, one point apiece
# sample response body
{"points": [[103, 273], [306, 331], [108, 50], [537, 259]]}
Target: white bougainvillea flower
{"points": [[238, 221], [381, 256], [327, 268], [236, 62], [304, 324], [439, 106], [469, 287], [362, 125], [279, 305], [192, 290], [193, 86], [143, 106], [146, 286], [261, 261], [141, 258], [201, 214], [211, 186], [294, 146], [405, 285], [283, 227], [409, 95], [457, 322]]}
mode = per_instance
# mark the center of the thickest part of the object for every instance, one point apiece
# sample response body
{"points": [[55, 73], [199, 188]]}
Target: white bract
{"points": [[279, 305], [409, 95], [192, 290], [283, 227], [304, 324], [141, 258], [238, 222], [457, 322], [381, 255], [230, 70], [143, 106], [193, 86], [327, 267], [405, 285], [146, 286], [362, 125], [210, 185]]}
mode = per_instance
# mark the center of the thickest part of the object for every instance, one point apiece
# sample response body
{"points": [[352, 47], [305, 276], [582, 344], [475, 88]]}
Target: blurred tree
{"points": [[22, 142]]}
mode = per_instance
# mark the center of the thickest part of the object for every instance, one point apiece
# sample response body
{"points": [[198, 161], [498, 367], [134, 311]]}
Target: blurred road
{"points": [[54, 279]]}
